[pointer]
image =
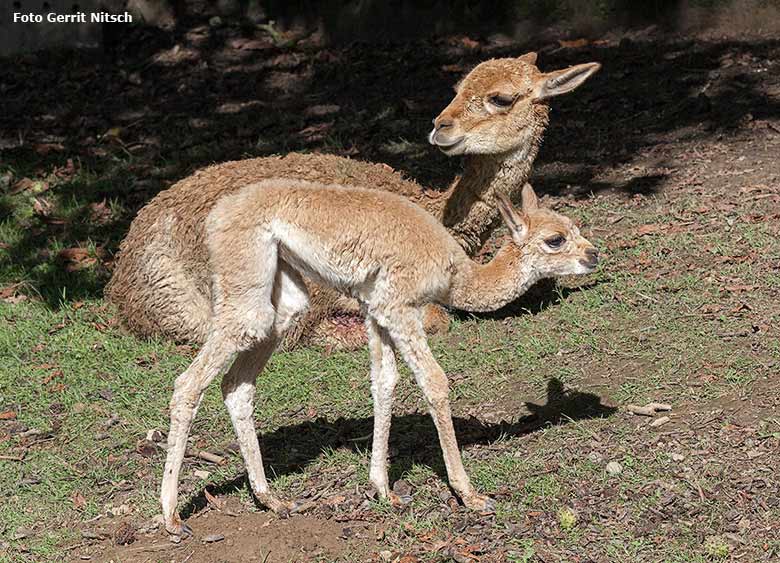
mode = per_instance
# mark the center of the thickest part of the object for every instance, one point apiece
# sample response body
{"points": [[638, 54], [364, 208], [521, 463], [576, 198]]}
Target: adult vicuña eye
{"points": [[501, 101]]}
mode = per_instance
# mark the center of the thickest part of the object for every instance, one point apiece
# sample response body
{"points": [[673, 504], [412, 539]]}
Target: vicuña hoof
{"points": [[178, 530], [480, 503]]}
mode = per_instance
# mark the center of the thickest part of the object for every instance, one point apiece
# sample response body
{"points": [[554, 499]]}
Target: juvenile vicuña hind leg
{"points": [[238, 386], [238, 391], [244, 277], [242, 288], [214, 357]]}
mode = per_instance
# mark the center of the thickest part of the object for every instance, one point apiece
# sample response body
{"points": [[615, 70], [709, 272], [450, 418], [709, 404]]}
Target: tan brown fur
{"points": [[161, 284], [393, 257]]}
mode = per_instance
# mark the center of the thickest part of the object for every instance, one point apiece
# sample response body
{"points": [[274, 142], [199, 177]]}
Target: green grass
{"points": [[652, 324]]}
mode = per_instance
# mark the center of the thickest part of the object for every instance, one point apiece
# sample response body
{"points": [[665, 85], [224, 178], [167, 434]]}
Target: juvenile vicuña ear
{"points": [[529, 199], [515, 222], [562, 81]]}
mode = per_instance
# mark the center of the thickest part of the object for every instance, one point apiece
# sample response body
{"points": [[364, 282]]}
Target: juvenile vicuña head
{"points": [[501, 105], [552, 240]]}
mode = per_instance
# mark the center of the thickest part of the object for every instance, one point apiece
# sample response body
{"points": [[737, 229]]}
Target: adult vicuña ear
{"points": [[559, 82], [515, 222], [529, 58], [529, 199]]}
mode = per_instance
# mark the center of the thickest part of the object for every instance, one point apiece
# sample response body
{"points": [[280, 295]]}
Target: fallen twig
{"points": [[697, 488], [649, 409], [207, 456], [660, 421]]}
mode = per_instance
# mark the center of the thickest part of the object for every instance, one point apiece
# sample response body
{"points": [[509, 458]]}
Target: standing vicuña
{"points": [[390, 255]]}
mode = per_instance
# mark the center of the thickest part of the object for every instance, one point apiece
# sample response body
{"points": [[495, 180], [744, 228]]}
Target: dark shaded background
{"points": [[110, 128]]}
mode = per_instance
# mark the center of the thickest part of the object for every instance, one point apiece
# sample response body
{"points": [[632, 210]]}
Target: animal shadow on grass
{"points": [[542, 295], [413, 437]]}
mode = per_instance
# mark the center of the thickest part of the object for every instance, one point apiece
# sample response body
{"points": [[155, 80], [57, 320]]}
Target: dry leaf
{"points": [[45, 148], [67, 171], [469, 43], [25, 184], [52, 376], [57, 327], [8, 415], [8, 293], [573, 44], [649, 229], [76, 259], [737, 288], [79, 502], [212, 500], [146, 448], [42, 207], [453, 68], [114, 132], [100, 213], [315, 132]]}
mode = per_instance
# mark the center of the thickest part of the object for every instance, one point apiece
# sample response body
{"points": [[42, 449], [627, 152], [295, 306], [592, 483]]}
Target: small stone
{"points": [[113, 511], [677, 457], [213, 538], [215, 21], [614, 468], [151, 525], [201, 474], [402, 488], [21, 533], [386, 555], [595, 457]]}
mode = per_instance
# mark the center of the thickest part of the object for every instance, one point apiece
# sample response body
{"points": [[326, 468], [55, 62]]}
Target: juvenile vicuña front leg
{"points": [[409, 339], [384, 377]]}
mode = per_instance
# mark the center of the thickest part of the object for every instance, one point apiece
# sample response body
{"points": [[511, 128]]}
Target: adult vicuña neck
{"points": [[470, 209]]}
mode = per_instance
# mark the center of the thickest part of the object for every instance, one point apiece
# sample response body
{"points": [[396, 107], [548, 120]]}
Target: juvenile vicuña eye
{"points": [[555, 242]]}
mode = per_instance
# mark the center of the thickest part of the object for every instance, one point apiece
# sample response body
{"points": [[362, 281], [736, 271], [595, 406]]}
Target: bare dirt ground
{"points": [[668, 157]]}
